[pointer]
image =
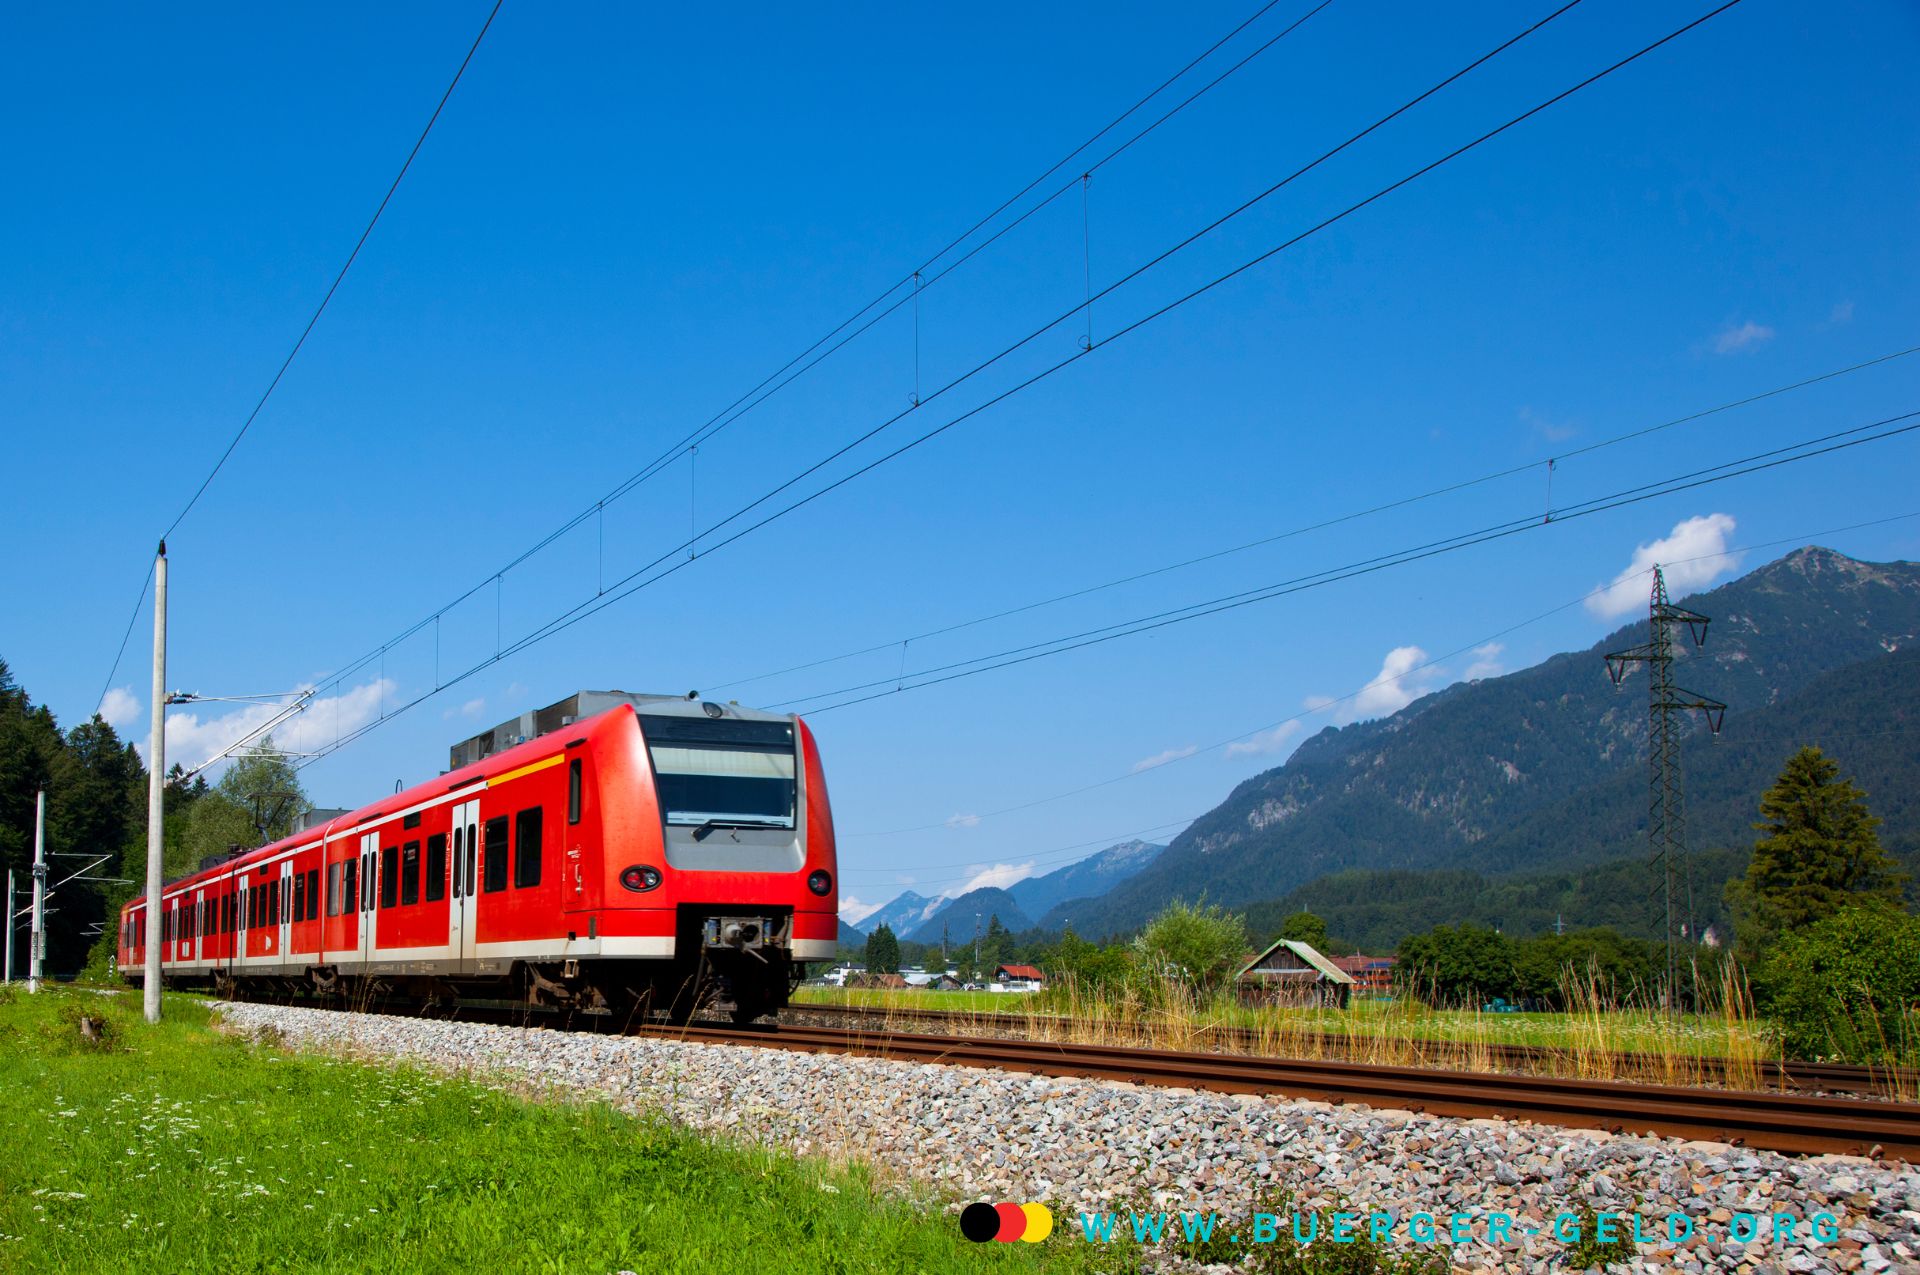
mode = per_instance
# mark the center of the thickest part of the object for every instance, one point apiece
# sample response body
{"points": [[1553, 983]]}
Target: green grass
{"points": [[878, 998], [181, 1149]]}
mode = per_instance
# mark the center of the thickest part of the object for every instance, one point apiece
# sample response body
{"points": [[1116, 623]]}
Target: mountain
{"points": [[1089, 878], [1545, 769], [956, 918], [851, 936], [904, 913]]}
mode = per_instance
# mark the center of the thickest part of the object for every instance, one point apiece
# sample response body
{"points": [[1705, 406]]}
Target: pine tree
{"points": [[883, 951], [1819, 854]]}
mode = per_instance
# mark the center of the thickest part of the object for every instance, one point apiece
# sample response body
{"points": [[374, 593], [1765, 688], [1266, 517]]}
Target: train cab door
{"points": [[199, 925], [465, 865]]}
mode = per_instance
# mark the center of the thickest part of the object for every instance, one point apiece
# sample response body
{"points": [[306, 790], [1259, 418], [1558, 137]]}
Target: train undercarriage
{"points": [[736, 985]]}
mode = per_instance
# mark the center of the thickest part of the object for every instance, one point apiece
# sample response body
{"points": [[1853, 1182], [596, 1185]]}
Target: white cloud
{"points": [[853, 911], [1740, 338], [959, 821], [996, 875], [515, 691], [1266, 742], [1692, 556], [472, 708], [1486, 662], [192, 739], [1162, 758], [1400, 682], [120, 708]]}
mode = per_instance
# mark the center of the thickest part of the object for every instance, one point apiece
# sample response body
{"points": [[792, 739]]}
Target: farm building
{"points": [[1372, 975], [1018, 978], [1293, 973]]}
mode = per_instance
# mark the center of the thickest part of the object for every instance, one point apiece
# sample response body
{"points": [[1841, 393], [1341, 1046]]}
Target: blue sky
{"points": [[626, 220]]}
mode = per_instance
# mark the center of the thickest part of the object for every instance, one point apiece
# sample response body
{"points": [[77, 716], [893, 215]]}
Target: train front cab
{"points": [[719, 849]]}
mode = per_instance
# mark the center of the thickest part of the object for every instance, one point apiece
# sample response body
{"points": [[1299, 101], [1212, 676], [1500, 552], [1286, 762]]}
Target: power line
{"points": [[625, 587], [341, 276], [1437, 660], [305, 332], [1773, 458], [1321, 525], [806, 360], [1770, 459]]}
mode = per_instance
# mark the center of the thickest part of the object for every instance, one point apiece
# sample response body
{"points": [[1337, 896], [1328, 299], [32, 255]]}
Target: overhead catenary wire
{"points": [[626, 588], [1403, 502], [1324, 706], [1774, 458], [917, 280], [307, 331]]}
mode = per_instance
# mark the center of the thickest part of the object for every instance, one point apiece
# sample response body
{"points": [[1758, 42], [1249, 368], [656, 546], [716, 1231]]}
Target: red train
{"points": [[612, 853]]}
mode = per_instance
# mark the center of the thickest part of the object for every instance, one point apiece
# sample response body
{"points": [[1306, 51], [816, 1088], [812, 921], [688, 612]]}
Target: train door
{"points": [[460, 918], [285, 919], [199, 925], [369, 891]]}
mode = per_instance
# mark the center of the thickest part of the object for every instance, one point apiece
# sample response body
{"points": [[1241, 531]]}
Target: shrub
{"points": [[1847, 987]]}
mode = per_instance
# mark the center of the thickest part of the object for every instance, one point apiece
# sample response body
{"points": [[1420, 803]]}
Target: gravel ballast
{"points": [[1093, 1145]]}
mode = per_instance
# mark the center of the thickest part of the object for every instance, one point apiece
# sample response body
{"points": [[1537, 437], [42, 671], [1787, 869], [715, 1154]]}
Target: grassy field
{"points": [[180, 1149], [954, 1002]]}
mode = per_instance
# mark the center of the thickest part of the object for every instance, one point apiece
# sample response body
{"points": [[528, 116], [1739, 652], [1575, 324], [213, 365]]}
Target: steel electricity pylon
{"points": [[1666, 812]]}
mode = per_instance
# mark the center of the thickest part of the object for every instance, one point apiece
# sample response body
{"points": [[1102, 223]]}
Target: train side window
{"points": [[473, 852], [313, 893], [410, 872], [573, 791], [233, 912], [300, 896], [349, 883], [526, 853], [436, 866], [494, 868], [411, 821], [458, 855], [333, 889], [389, 876]]}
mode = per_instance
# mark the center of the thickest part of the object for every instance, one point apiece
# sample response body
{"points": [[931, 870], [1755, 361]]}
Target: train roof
{"points": [[584, 704]]}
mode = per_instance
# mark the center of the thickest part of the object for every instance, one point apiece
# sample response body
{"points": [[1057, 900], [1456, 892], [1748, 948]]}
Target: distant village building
{"points": [[1018, 978], [1371, 975], [1293, 973]]}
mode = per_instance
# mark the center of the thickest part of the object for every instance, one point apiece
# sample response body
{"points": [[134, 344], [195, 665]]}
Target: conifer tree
{"points": [[1819, 854]]}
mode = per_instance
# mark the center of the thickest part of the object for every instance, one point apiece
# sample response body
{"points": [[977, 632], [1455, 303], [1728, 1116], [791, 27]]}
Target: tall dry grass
{"points": [[1606, 1031]]}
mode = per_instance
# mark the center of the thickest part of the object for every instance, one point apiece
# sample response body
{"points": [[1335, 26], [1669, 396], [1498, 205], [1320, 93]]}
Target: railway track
{"points": [[1808, 1077], [1791, 1122]]}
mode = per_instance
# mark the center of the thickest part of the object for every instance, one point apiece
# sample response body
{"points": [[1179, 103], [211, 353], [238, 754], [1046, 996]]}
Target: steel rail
{"points": [[1812, 1077]]}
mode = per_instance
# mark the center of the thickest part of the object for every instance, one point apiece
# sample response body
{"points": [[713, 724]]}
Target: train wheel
{"points": [[748, 1006]]}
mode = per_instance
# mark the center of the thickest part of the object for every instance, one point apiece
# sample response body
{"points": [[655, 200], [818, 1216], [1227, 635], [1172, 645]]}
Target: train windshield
{"points": [[722, 771]]}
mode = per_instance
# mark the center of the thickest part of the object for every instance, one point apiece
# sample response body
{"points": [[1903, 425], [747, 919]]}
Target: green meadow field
{"points": [[182, 1149]]}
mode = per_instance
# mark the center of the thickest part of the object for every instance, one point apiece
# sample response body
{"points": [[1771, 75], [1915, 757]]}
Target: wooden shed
{"points": [[1293, 973]]}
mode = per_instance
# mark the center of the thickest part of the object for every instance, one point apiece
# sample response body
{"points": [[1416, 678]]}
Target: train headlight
{"points": [[820, 881], [640, 878]]}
